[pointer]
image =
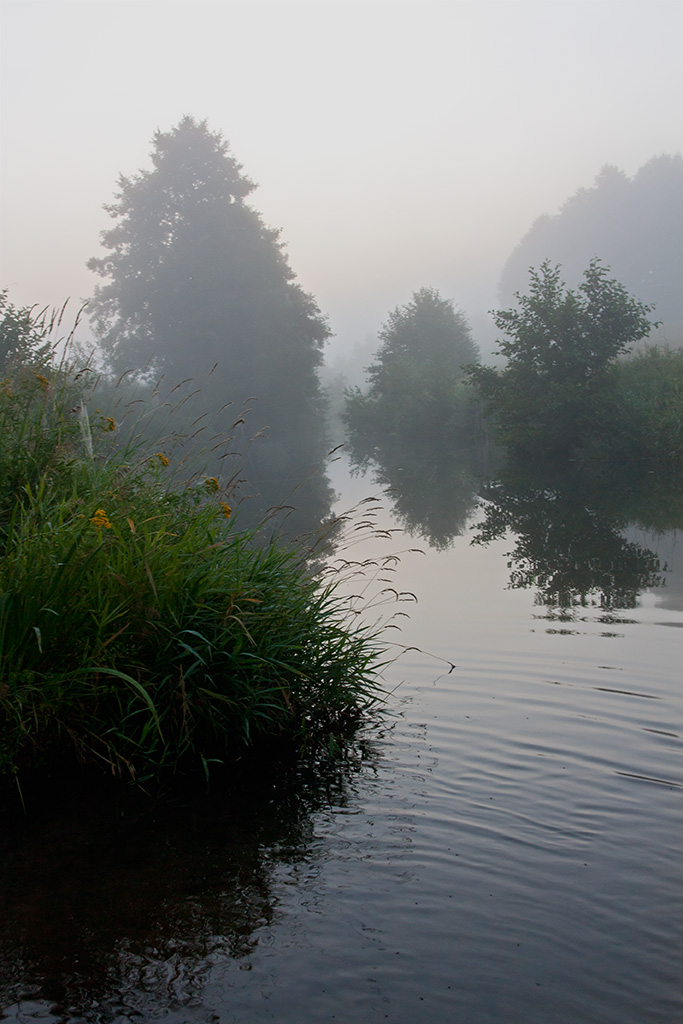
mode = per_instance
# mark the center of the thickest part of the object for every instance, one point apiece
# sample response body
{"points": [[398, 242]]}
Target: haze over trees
{"points": [[194, 280], [417, 421], [635, 225], [563, 395], [416, 392]]}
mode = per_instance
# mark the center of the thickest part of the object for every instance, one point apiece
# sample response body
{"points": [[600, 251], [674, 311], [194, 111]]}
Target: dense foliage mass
{"points": [[561, 395], [196, 286], [634, 224], [416, 393], [417, 421], [140, 629], [22, 335]]}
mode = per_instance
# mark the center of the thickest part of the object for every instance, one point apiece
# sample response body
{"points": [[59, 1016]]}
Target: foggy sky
{"points": [[397, 145]]}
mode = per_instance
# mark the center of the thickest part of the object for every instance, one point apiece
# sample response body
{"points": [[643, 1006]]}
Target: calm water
{"points": [[504, 847]]}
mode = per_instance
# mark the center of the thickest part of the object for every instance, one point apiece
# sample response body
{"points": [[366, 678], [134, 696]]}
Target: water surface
{"points": [[505, 845]]}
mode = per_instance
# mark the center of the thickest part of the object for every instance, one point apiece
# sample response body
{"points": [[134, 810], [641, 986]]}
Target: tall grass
{"points": [[140, 628]]}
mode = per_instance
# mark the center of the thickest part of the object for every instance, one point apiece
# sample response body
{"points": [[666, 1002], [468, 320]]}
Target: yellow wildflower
{"points": [[227, 511], [108, 422], [100, 520], [163, 459], [43, 381], [211, 484]]}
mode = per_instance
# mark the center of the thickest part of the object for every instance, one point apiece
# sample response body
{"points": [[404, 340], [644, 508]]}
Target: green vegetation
{"points": [[140, 629], [418, 423], [23, 334], [647, 409], [417, 391], [561, 395]]}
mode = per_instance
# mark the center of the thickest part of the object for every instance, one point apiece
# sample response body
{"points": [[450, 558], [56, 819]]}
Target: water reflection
{"points": [[433, 489], [578, 536], [104, 917], [569, 540]]}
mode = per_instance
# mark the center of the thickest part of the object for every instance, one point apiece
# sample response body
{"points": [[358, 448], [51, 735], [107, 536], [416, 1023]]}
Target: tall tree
{"points": [[194, 278]]}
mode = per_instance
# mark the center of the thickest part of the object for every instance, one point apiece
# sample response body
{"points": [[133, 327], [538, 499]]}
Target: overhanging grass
{"points": [[140, 628]]}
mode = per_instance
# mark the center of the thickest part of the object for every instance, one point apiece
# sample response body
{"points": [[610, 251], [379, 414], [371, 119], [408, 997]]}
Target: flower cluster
{"points": [[227, 511], [100, 520]]}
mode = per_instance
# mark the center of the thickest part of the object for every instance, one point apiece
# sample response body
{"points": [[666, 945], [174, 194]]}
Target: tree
{"points": [[548, 400], [634, 224], [416, 393], [193, 279]]}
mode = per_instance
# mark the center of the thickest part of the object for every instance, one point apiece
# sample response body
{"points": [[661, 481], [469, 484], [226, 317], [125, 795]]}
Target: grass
{"points": [[141, 630]]}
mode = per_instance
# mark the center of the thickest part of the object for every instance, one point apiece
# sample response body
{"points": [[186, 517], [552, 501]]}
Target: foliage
{"points": [[196, 286], [22, 335], [416, 393], [548, 400], [647, 409], [634, 224], [140, 629]]}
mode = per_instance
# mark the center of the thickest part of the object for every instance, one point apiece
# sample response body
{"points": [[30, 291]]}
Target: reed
{"points": [[141, 629]]}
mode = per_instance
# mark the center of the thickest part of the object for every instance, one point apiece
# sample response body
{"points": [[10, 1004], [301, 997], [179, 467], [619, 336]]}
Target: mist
{"points": [[396, 145]]}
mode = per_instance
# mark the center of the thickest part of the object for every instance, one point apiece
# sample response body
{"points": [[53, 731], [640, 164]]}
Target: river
{"points": [[503, 845]]}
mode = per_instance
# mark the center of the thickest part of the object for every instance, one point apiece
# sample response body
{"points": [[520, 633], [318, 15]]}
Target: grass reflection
{"points": [[110, 913]]}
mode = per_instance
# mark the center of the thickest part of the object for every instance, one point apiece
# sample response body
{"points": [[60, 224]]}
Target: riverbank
{"points": [[143, 634]]}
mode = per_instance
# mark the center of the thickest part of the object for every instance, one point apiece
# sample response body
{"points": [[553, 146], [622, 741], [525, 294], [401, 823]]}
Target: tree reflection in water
{"points": [[568, 534], [433, 490], [568, 526]]}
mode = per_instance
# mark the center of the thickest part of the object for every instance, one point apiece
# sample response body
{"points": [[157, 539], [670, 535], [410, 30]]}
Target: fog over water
{"points": [[396, 145]]}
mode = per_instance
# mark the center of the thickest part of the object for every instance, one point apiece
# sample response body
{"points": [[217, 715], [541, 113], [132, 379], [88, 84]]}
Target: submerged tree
{"points": [[552, 399], [416, 393], [194, 280]]}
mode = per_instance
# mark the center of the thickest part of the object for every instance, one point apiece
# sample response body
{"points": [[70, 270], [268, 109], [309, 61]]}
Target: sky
{"points": [[396, 144]]}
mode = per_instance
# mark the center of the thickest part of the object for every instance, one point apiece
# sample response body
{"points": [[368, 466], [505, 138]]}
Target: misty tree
{"points": [[416, 393], [194, 280], [635, 225], [554, 396]]}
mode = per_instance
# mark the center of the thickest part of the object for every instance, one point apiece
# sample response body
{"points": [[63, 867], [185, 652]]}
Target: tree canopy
{"points": [[635, 225], [415, 391], [550, 398], [193, 279]]}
